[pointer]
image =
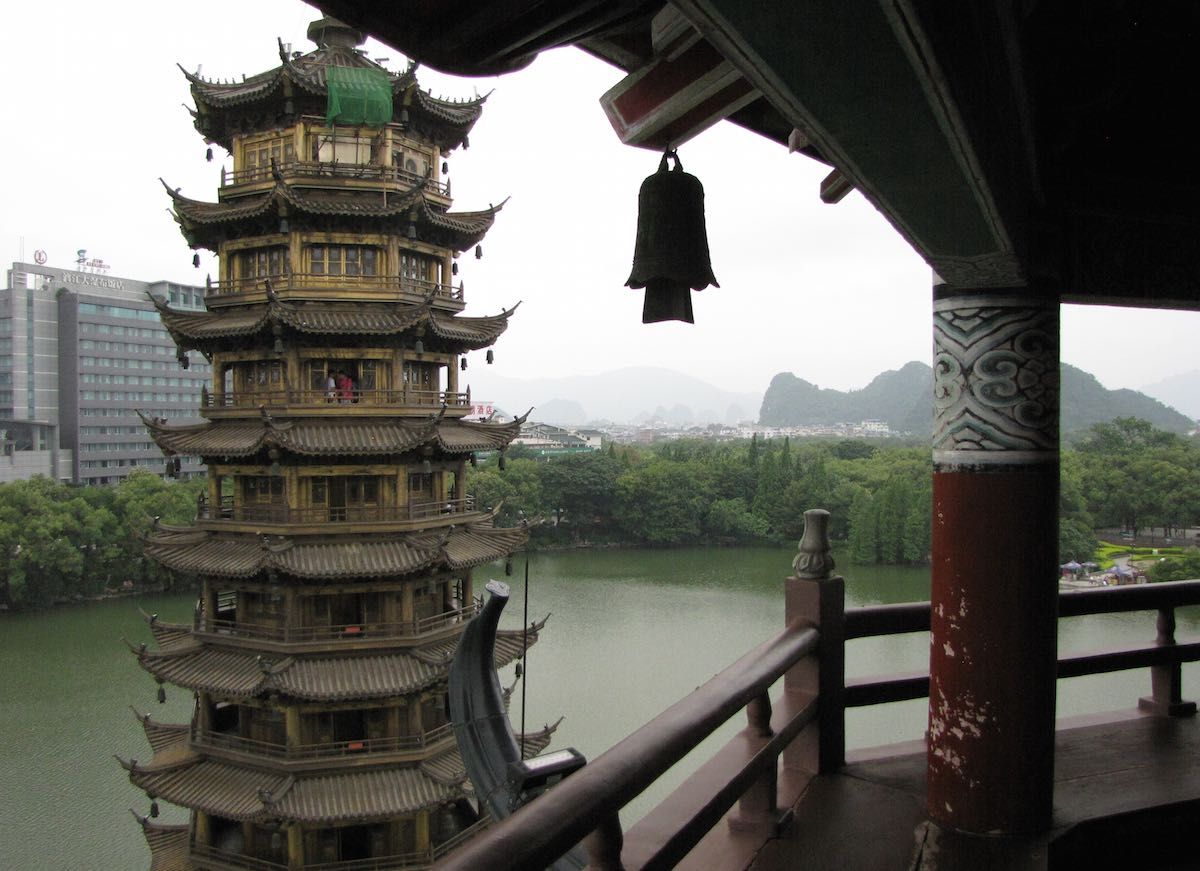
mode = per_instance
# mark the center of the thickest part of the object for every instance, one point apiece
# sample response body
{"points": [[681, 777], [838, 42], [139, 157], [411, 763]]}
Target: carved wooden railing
{"points": [[747, 771], [252, 399], [327, 750], [376, 284], [332, 169], [332, 514], [352, 631]]}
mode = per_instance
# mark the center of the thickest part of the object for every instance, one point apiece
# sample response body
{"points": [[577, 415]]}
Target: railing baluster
{"points": [[1166, 680]]}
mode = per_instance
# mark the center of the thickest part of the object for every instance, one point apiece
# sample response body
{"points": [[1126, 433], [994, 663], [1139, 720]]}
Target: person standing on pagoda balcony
{"points": [[330, 386], [345, 387]]}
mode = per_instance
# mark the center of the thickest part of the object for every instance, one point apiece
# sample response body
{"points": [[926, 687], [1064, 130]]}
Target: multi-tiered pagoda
{"points": [[335, 544]]}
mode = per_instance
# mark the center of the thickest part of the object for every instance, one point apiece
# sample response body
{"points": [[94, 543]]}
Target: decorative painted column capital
{"points": [[995, 379]]}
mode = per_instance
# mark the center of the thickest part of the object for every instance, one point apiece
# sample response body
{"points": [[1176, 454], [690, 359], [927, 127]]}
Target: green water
{"points": [[630, 632]]}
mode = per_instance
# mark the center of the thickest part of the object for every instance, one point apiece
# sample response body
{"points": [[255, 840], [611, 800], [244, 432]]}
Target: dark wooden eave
{"points": [[1012, 143], [214, 331], [206, 224]]}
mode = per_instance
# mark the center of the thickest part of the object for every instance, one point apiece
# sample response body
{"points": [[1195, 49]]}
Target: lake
{"points": [[630, 632]]}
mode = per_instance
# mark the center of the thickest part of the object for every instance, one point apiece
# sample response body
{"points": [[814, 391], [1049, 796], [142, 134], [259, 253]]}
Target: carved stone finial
{"points": [[815, 559]]}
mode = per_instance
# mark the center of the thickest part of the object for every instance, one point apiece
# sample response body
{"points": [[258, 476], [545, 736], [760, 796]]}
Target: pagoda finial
{"points": [[330, 33]]}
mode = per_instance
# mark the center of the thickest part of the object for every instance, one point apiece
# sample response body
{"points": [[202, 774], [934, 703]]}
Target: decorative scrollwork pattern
{"points": [[995, 376]]}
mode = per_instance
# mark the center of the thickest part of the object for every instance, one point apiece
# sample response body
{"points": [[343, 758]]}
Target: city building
{"points": [[81, 354], [335, 544]]}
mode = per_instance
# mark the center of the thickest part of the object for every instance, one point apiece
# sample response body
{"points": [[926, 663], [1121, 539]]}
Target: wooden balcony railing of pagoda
{"points": [[379, 286], [207, 857], [318, 399], [329, 514], [329, 750], [300, 634], [809, 655], [327, 169]]}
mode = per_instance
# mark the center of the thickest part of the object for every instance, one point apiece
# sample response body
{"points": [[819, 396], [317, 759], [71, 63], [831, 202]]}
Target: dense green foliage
{"points": [[1184, 567], [1123, 474], [687, 492], [59, 542]]}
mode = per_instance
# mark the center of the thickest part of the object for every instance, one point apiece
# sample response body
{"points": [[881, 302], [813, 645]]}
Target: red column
{"points": [[994, 578]]}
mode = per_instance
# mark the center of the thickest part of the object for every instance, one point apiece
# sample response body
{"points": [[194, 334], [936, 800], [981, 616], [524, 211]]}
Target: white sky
{"points": [[95, 115]]}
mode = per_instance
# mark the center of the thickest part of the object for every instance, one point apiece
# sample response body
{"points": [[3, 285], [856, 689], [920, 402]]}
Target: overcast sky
{"points": [[96, 115]]}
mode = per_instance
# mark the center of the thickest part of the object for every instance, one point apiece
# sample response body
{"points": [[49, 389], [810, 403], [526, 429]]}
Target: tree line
{"points": [[60, 542], [1124, 474]]}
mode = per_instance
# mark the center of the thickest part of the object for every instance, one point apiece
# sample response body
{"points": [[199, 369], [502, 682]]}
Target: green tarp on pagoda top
{"points": [[358, 95]]}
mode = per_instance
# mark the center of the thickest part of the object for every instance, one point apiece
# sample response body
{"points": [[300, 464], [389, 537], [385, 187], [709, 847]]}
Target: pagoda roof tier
{"points": [[247, 794], [448, 767], [226, 109], [331, 437], [202, 551], [164, 738], [238, 673], [209, 331], [168, 845], [205, 224]]}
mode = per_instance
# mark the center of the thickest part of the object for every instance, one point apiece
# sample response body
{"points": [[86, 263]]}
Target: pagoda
{"points": [[335, 544]]}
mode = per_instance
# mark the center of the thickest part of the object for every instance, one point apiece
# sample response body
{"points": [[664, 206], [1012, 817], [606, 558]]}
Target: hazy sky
{"points": [[96, 114]]}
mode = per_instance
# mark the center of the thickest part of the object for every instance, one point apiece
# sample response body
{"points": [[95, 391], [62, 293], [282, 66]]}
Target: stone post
{"points": [[994, 578]]}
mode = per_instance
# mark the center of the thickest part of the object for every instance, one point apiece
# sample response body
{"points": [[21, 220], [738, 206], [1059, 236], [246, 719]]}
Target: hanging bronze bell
{"points": [[670, 256]]}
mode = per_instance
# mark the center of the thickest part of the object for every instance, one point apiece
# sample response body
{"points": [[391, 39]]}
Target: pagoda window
{"points": [[350, 260], [256, 156], [433, 713], [225, 718], [262, 262], [347, 843], [347, 614], [420, 487], [344, 147], [263, 724], [346, 497], [261, 609], [427, 601], [262, 491], [423, 380], [419, 268], [259, 377]]}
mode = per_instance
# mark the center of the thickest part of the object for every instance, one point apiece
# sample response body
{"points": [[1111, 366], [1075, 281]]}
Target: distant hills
{"points": [[902, 398], [1181, 392], [634, 394]]}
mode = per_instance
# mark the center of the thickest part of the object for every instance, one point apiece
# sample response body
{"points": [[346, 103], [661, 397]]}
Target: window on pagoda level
{"points": [[346, 497], [261, 610], [420, 487], [343, 615], [422, 383], [428, 600], [263, 498], [433, 713], [262, 724], [348, 844], [268, 844], [352, 261], [256, 156], [419, 270], [355, 726], [343, 148], [258, 380], [366, 377], [261, 263]]}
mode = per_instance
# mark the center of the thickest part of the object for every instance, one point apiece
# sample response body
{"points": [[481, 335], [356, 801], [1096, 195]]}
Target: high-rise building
{"points": [[81, 354], [336, 542]]}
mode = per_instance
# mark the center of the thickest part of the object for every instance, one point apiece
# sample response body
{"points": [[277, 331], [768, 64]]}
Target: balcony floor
{"points": [[1127, 795]]}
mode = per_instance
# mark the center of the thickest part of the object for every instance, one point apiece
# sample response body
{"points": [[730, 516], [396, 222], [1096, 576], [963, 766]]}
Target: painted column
{"points": [[994, 577]]}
